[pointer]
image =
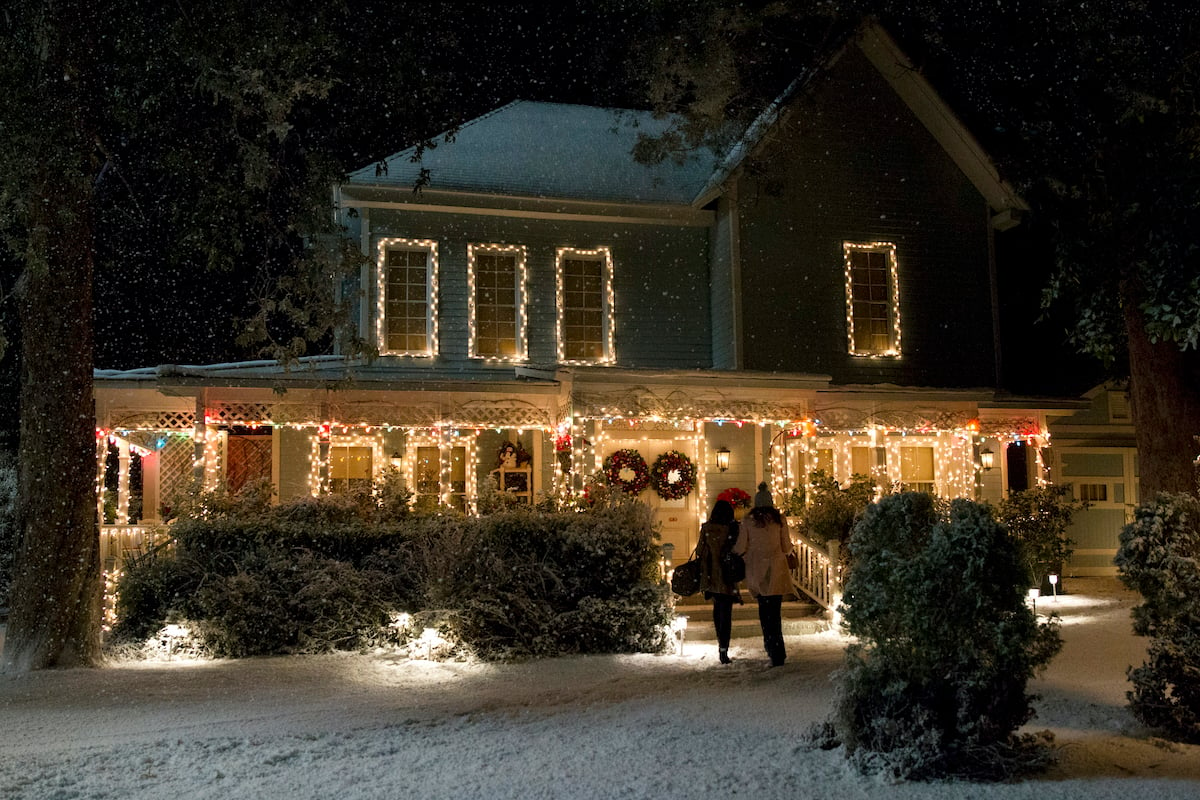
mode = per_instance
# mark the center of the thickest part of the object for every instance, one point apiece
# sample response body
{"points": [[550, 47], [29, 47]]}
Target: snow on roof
{"points": [[551, 150]]}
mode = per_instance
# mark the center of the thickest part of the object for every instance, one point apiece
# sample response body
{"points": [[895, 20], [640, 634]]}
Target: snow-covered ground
{"points": [[375, 726]]}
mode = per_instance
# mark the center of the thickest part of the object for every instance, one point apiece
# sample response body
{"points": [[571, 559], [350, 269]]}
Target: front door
{"points": [[678, 520]]}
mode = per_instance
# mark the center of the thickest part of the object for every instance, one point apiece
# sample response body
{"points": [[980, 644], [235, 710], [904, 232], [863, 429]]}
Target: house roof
{"points": [[556, 150], [924, 102], [576, 152]]}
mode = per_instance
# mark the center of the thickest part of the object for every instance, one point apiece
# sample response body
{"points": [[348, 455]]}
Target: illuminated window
{"points": [[427, 472], [441, 474], [496, 276], [862, 461], [916, 469], [1093, 492], [407, 312], [585, 305], [872, 299], [350, 468]]}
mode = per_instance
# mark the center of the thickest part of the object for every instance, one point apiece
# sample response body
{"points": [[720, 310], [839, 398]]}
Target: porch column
{"points": [[101, 469], [123, 482], [198, 441]]}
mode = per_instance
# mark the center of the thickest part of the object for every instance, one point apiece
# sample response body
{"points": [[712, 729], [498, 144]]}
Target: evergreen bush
{"points": [[934, 685], [832, 510], [1159, 557], [320, 574], [1038, 520]]}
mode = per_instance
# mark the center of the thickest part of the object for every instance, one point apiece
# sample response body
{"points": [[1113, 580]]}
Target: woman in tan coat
{"points": [[763, 542]]}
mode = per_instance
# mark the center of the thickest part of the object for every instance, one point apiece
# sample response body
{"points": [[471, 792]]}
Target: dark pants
{"points": [[770, 617], [723, 618]]}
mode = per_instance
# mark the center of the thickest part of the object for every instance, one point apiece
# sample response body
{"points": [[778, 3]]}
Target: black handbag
{"points": [[685, 579], [733, 568]]}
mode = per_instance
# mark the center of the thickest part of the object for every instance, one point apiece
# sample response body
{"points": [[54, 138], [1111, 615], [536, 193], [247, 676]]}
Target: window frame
{"points": [[604, 256], [520, 305], [445, 443], [430, 247], [321, 477], [893, 298]]}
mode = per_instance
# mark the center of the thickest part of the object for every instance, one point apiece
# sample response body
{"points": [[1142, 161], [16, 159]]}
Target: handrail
{"points": [[117, 542], [817, 574]]}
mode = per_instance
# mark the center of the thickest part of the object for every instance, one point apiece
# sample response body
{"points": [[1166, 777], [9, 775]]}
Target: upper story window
{"points": [[407, 277], [585, 305], [872, 299], [496, 280]]}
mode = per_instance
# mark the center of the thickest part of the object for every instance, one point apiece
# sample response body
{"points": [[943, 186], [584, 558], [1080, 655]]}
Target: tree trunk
{"points": [[1164, 393], [54, 618]]}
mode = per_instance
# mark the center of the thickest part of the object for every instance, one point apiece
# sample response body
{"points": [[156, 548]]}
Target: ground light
{"points": [[679, 629]]}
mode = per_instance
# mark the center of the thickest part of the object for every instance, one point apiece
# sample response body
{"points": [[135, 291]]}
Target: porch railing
{"points": [[119, 542], [817, 575]]}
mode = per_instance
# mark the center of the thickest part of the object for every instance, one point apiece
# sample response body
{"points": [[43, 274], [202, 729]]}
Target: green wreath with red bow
{"points": [[627, 460], [673, 475]]}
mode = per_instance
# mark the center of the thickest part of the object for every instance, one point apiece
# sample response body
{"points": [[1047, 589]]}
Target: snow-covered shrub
{"points": [[543, 584], [934, 685], [1038, 519], [287, 603], [831, 509], [1159, 557], [316, 575], [8, 525]]}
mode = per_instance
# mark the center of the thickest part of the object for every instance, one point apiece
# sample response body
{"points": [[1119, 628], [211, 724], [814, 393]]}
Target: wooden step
{"points": [[798, 619]]}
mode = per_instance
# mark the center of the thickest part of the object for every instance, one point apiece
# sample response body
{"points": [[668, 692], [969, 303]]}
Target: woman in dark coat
{"points": [[717, 537]]}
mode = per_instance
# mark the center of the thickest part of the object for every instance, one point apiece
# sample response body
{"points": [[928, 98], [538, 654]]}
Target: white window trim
{"points": [[522, 353], [444, 442], [605, 253], [431, 287], [893, 289]]}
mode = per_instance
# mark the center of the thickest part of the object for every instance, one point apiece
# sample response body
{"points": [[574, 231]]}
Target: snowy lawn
{"points": [[375, 726]]}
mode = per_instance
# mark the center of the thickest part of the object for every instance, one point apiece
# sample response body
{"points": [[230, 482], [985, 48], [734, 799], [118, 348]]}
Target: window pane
{"points": [[496, 298], [407, 300]]}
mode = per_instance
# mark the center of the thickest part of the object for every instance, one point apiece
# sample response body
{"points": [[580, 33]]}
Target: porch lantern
{"points": [[722, 458], [987, 459]]}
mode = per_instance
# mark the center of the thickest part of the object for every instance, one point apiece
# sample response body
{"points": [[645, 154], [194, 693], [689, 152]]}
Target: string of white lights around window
{"points": [[893, 299], [609, 311], [522, 346], [430, 247]]}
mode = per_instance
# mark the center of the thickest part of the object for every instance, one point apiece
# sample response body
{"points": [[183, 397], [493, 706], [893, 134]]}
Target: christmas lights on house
{"points": [[893, 300], [430, 301], [520, 335], [608, 318]]}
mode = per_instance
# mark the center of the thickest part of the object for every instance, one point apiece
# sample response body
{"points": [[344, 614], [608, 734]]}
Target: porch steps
{"points": [[798, 618]]}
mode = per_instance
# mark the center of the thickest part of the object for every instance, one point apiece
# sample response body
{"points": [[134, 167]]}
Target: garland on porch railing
{"points": [[673, 475], [617, 463]]}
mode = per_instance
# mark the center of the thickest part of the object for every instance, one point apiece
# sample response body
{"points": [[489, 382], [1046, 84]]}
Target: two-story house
{"points": [[821, 296]]}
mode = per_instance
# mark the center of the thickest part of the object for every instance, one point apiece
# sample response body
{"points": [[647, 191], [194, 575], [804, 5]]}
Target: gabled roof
{"points": [[576, 152], [555, 150], [924, 102]]}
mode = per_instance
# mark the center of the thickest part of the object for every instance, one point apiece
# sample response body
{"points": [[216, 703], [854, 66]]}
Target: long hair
{"points": [[763, 514], [722, 511]]}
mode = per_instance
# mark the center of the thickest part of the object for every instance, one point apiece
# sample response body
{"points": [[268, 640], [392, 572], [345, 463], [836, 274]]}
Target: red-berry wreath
{"points": [[631, 460], [673, 475]]}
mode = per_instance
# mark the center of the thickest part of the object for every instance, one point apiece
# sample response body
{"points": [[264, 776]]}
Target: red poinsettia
{"points": [[735, 497]]}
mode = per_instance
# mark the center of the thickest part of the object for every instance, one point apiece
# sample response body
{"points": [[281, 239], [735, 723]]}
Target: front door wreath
{"points": [[673, 475], [627, 470]]}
